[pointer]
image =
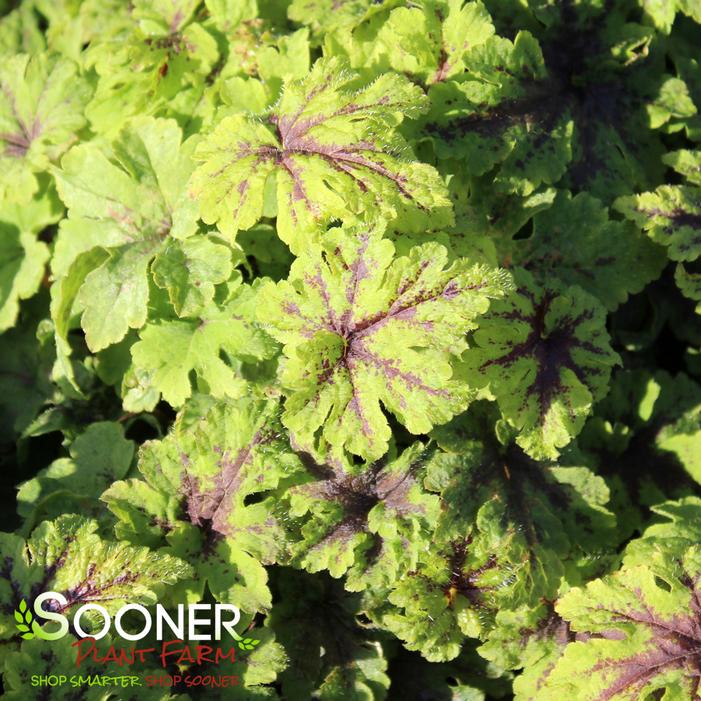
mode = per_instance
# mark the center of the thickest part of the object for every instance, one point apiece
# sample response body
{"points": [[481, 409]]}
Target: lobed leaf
{"points": [[330, 150], [545, 353], [203, 492], [124, 205], [68, 556], [42, 99], [640, 629], [362, 330]]}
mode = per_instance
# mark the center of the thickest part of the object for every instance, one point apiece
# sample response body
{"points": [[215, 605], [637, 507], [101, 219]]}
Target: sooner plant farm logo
{"points": [[184, 625], [206, 624]]}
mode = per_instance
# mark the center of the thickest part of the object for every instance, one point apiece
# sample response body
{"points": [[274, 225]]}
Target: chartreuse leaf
{"points": [[203, 492], [527, 638], [429, 42], [23, 256], [663, 12], [254, 668], [189, 270], [42, 99], [361, 329], [227, 14], [682, 438], [639, 631], [331, 657], [452, 594], [72, 26], [152, 61], [19, 30], [368, 524], [98, 457], [170, 351], [125, 205], [672, 217], [326, 15], [330, 149], [576, 242], [545, 354], [68, 556]]}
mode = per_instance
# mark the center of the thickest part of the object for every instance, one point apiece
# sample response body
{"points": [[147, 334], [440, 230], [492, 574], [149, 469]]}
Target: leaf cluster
{"points": [[378, 319]]}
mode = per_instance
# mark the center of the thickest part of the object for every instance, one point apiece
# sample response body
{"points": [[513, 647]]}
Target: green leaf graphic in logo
{"points": [[23, 621], [248, 643]]}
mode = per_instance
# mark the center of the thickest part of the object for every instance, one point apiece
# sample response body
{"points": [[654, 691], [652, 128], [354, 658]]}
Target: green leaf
{"points": [[556, 514], [325, 15], [361, 328], [643, 437], [228, 14], [24, 381], [22, 256], [527, 638], [37, 657], [129, 201], [168, 352], [68, 556], [203, 492], [671, 216], [576, 242], [545, 354], [151, 60], [189, 271], [332, 656], [639, 630], [369, 524], [98, 457], [330, 150], [429, 42], [503, 114], [453, 594], [42, 99]]}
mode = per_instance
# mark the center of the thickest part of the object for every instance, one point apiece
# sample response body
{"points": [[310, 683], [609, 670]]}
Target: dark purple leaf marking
{"points": [[88, 589], [522, 484], [85, 591], [209, 509], [679, 219], [297, 142], [357, 495], [465, 582], [357, 335], [608, 111], [552, 351]]}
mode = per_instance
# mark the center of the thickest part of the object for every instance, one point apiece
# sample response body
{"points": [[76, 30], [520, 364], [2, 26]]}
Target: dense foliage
{"points": [[377, 318]]}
